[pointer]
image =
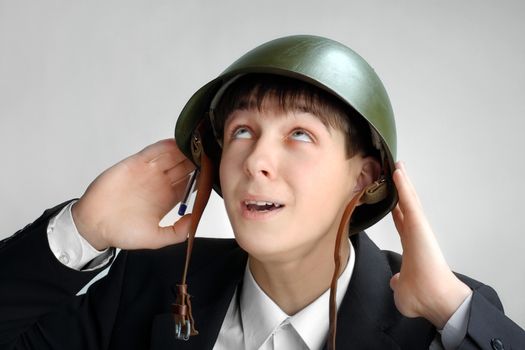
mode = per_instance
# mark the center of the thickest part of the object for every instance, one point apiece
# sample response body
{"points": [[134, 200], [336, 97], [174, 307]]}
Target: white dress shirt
{"points": [[252, 317], [250, 323]]}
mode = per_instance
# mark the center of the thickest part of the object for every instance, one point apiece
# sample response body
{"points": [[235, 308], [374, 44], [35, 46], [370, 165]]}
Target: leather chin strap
{"points": [[338, 255], [181, 309]]}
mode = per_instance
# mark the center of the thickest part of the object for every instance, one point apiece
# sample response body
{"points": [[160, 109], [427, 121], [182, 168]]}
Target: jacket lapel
{"points": [[367, 317], [366, 308]]}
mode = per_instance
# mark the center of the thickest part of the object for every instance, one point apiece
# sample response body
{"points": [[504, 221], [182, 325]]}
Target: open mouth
{"points": [[262, 206]]}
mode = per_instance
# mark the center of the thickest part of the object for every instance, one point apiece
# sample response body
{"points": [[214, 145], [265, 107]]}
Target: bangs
{"points": [[262, 92]]}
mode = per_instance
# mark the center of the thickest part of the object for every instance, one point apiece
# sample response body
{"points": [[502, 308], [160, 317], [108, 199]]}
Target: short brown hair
{"points": [[250, 92]]}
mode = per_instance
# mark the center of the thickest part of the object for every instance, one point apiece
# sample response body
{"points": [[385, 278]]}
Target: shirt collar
{"points": [[261, 316]]}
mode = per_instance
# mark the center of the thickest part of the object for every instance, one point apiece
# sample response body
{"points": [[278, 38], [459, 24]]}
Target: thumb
{"points": [[394, 281], [176, 233]]}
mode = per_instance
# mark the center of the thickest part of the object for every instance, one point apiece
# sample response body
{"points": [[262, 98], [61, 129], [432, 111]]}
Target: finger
{"points": [[407, 182], [179, 188], [398, 217], [394, 281], [167, 160], [402, 230], [163, 146], [408, 200], [180, 171], [174, 234], [409, 217]]}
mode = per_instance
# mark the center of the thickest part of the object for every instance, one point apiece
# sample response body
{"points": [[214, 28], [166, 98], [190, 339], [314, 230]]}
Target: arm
{"points": [[426, 286], [121, 208], [34, 282]]}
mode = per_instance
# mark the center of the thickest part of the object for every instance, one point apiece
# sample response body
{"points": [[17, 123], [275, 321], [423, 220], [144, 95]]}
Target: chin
{"points": [[262, 246]]}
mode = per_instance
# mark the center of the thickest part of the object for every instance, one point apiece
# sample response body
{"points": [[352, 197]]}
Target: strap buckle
{"points": [[179, 327]]}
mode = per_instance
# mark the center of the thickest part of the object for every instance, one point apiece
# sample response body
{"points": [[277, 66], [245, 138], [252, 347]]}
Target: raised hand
{"points": [[425, 286], [123, 207]]}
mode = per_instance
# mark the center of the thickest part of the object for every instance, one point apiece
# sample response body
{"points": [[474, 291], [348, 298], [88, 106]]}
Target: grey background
{"points": [[86, 83]]}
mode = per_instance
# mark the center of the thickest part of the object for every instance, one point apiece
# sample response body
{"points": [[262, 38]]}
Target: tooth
{"points": [[262, 203]]}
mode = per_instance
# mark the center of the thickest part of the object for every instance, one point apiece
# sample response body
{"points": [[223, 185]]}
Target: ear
{"points": [[370, 172]]}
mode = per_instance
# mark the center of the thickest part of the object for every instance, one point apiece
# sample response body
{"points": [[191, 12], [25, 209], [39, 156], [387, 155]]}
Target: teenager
{"points": [[298, 137]]}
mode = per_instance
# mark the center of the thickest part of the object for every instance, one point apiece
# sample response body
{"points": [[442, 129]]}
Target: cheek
{"points": [[323, 176], [324, 194], [226, 178], [223, 173], [230, 169]]}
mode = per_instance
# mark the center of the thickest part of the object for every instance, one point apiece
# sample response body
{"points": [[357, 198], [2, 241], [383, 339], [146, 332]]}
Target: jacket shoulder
{"points": [[393, 259]]}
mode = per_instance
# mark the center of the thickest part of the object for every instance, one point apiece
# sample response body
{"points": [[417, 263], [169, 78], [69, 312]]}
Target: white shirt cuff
{"points": [[456, 327], [69, 247]]}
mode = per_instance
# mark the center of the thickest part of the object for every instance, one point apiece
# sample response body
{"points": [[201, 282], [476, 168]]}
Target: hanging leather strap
{"points": [[181, 309], [338, 255]]}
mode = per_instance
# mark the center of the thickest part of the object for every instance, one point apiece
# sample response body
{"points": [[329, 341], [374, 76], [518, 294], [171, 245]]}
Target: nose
{"points": [[261, 160]]}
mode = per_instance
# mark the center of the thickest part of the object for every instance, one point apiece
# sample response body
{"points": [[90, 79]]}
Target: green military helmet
{"points": [[326, 64]]}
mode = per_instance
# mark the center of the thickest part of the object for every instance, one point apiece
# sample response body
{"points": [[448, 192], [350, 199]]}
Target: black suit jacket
{"points": [[129, 309]]}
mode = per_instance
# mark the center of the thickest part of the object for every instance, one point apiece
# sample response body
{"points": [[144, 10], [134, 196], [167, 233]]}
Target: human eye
{"points": [[241, 132], [301, 135]]}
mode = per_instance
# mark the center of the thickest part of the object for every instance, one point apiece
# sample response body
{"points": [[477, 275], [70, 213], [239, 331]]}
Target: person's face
{"points": [[285, 179]]}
